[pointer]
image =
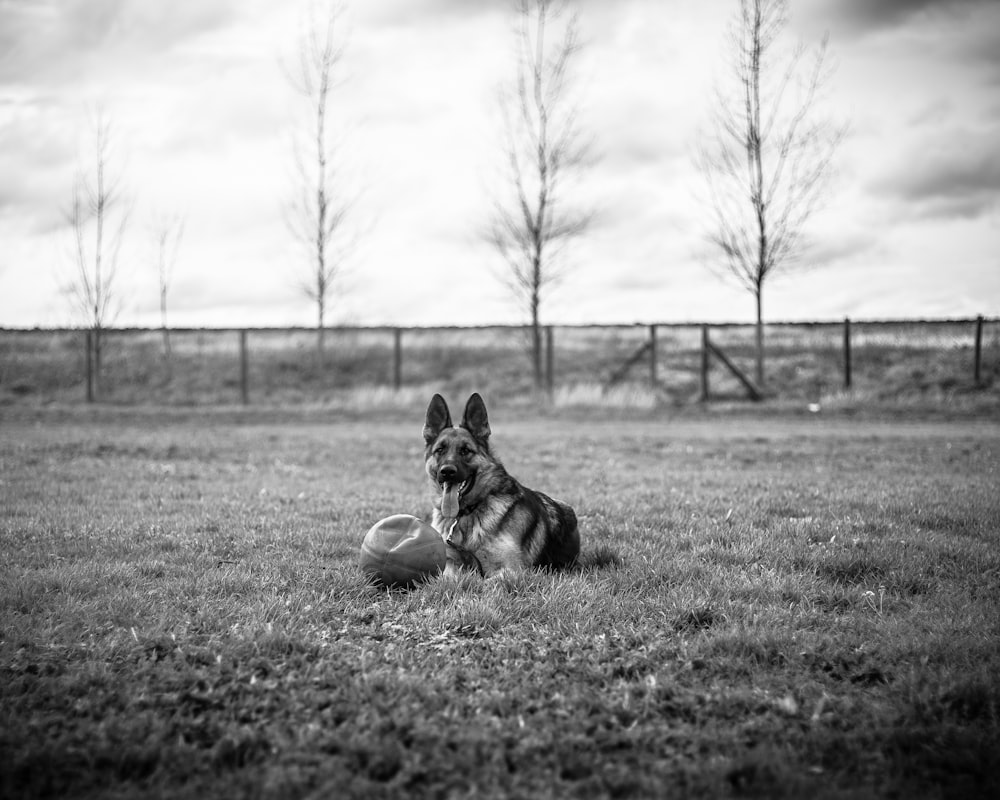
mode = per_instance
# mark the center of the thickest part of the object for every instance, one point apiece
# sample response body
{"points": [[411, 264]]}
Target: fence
{"points": [[671, 362]]}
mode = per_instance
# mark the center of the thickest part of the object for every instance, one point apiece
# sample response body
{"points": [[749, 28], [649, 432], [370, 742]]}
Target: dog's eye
{"points": [[465, 451], [439, 449]]}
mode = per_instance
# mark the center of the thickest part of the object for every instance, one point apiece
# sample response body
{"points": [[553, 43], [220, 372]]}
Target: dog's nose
{"points": [[447, 473]]}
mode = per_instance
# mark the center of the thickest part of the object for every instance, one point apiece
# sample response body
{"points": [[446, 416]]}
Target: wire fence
{"points": [[662, 362]]}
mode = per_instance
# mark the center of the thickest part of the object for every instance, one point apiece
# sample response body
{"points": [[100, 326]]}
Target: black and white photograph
{"points": [[500, 399]]}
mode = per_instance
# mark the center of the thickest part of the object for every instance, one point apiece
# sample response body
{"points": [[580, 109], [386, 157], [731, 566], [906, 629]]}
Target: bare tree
{"points": [[769, 161], [98, 216], [531, 218], [316, 215], [167, 234]]}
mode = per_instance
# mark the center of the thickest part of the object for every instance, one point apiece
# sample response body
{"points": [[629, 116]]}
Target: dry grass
{"points": [[916, 364]]}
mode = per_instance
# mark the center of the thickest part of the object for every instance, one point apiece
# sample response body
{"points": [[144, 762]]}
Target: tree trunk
{"points": [[163, 321], [759, 373], [321, 332], [536, 341], [98, 345], [755, 147]]}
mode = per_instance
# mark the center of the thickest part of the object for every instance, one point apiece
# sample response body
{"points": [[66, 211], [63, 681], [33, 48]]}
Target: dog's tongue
{"points": [[449, 500]]}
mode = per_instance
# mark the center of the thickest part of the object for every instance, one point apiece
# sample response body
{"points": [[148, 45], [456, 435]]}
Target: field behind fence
{"points": [[639, 364]]}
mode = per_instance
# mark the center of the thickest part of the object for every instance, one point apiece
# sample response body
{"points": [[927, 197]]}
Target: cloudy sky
{"points": [[204, 118]]}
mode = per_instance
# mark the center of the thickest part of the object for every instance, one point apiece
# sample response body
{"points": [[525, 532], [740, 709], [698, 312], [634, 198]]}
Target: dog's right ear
{"points": [[475, 420], [438, 418]]}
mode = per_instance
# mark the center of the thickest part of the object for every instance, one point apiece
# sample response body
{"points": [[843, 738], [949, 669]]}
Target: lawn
{"points": [[803, 607]]}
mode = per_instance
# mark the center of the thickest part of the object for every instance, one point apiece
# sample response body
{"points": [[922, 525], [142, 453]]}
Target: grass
{"points": [[763, 607]]}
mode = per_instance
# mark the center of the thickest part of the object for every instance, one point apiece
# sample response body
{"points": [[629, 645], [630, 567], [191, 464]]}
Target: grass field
{"points": [[764, 607]]}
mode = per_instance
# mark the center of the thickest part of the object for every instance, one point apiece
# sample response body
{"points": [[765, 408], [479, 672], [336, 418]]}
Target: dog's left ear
{"points": [[475, 420], [438, 418]]}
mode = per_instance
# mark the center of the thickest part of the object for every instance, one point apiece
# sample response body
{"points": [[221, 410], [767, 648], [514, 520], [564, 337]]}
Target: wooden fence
{"points": [[689, 362]]}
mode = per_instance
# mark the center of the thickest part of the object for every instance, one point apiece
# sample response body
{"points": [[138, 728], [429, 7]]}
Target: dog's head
{"points": [[455, 455]]}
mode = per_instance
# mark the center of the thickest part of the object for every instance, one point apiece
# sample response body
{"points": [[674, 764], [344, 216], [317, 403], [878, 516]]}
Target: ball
{"points": [[401, 551]]}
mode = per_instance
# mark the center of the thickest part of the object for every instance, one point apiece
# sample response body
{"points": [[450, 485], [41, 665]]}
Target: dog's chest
{"points": [[485, 534]]}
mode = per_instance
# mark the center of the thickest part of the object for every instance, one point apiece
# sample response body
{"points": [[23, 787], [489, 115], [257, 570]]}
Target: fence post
{"points": [[397, 358], [704, 363], [978, 364], [89, 344], [847, 353], [244, 369], [652, 356], [550, 380]]}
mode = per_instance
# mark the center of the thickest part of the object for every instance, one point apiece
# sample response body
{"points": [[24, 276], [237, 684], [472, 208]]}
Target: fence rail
{"points": [[678, 361]]}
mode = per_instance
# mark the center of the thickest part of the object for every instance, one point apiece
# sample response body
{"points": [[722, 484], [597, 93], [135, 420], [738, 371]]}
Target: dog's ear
{"points": [[438, 418], [475, 420]]}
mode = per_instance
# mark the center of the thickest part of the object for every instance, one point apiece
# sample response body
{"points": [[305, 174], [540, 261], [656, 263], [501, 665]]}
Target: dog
{"points": [[492, 523]]}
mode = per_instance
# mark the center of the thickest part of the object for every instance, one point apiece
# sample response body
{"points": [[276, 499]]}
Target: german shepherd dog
{"points": [[491, 522]]}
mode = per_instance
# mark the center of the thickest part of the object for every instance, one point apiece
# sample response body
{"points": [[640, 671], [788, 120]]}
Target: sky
{"points": [[204, 121]]}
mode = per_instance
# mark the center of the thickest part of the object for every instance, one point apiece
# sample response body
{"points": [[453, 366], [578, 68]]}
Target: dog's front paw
{"points": [[461, 559]]}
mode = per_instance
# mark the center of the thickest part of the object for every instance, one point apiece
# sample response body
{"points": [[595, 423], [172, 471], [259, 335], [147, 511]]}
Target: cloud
{"points": [[56, 40], [866, 15], [960, 180], [396, 13], [982, 45], [845, 245], [206, 122]]}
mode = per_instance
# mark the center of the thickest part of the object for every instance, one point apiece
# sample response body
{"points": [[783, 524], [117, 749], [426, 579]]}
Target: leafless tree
{"points": [[317, 213], [98, 216], [532, 219], [167, 233], [768, 161]]}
